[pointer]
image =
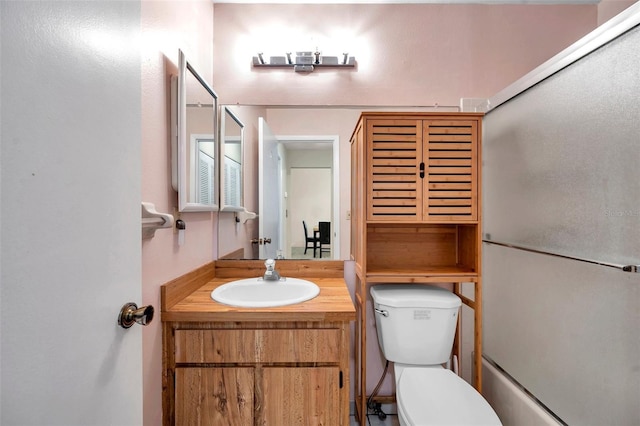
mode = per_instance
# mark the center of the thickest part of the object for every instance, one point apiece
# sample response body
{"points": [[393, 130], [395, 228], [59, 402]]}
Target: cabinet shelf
{"points": [[422, 249], [430, 275]]}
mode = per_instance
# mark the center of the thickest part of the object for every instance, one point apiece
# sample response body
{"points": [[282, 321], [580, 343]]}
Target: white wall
{"points": [[310, 184], [309, 191]]}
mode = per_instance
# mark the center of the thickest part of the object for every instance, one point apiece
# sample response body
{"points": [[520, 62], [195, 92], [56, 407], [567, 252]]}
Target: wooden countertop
{"points": [[333, 304]]}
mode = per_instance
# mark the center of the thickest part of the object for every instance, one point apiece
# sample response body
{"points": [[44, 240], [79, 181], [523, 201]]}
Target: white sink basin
{"points": [[258, 293]]}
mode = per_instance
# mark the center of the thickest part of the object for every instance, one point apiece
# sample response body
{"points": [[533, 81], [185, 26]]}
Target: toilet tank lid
{"points": [[414, 296]]}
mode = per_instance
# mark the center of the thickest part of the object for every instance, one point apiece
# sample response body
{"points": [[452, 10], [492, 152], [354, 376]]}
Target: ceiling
{"points": [[409, 1]]}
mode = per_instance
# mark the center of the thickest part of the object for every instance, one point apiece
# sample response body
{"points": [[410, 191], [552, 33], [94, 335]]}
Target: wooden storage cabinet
{"points": [[415, 212], [422, 169], [260, 374]]}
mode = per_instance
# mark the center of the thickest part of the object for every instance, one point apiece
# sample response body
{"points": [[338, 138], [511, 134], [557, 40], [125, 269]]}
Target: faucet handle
{"points": [[270, 264], [271, 274]]}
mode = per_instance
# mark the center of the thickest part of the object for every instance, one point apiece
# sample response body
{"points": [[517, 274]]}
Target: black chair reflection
{"points": [[324, 238], [310, 240]]}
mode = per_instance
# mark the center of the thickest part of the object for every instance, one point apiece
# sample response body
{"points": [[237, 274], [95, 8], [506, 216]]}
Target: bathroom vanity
{"points": [[256, 366]]}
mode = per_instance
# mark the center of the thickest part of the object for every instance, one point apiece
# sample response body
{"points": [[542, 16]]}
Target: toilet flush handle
{"points": [[381, 312]]}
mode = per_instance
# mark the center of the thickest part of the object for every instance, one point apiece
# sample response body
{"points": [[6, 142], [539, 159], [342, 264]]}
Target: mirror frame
{"points": [[180, 149], [226, 112]]}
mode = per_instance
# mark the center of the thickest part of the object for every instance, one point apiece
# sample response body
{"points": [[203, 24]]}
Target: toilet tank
{"points": [[415, 323]]}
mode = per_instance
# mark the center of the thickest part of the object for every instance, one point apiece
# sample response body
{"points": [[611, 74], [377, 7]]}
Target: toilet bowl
{"points": [[415, 327], [438, 396]]}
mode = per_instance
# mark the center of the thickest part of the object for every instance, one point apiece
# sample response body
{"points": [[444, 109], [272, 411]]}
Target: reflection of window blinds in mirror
{"points": [[231, 182], [205, 177]]}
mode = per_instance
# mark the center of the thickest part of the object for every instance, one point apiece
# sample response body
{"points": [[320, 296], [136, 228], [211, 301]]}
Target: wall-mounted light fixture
{"points": [[305, 61]]}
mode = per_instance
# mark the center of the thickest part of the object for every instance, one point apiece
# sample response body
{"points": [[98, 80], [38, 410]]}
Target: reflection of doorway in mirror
{"points": [[309, 152], [277, 155], [309, 199]]}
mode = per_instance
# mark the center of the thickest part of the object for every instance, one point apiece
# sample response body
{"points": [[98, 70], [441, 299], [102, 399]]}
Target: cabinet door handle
{"points": [[421, 170]]}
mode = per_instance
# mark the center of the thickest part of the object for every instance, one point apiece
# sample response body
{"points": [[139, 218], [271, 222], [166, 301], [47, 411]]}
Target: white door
{"points": [[70, 209], [269, 191]]}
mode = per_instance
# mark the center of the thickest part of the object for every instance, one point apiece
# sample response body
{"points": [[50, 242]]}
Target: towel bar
{"points": [[625, 268]]}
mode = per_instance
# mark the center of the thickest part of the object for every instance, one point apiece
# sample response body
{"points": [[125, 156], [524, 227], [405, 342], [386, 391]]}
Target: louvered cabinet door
{"points": [[394, 187], [451, 162]]}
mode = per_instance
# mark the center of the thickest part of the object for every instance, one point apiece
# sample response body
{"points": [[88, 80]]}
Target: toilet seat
{"points": [[437, 396]]}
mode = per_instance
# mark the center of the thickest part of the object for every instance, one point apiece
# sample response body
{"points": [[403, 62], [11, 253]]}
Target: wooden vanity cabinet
{"points": [[258, 373], [415, 212]]}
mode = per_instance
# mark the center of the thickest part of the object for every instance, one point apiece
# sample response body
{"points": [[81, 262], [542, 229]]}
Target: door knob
{"points": [[261, 241], [130, 314]]}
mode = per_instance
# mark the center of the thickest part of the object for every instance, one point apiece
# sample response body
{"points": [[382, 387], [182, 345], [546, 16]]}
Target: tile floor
{"points": [[298, 253]]}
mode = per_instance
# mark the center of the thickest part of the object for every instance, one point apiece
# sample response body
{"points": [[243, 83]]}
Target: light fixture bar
{"points": [[303, 63]]}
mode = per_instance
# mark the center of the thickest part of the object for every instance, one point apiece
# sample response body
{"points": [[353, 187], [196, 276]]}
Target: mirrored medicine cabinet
{"points": [[231, 154], [194, 148]]}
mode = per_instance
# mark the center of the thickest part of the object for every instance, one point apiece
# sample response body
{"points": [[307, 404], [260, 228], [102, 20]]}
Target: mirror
{"points": [[194, 151], [313, 149], [312, 145], [231, 154]]}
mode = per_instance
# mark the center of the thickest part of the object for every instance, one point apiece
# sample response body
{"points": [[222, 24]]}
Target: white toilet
{"points": [[416, 327]]}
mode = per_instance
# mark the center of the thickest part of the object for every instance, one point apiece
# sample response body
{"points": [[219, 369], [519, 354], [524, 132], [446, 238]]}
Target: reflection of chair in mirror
{"points": [[325, 237], [309, 240]]}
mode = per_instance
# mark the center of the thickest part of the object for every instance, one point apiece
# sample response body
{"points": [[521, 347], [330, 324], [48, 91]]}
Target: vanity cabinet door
{"points": [[258, 376], [299, 396], [214, 396]]}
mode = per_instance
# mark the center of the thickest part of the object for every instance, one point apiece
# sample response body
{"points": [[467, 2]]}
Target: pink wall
{"points": [[166, 27], [407, 54]]}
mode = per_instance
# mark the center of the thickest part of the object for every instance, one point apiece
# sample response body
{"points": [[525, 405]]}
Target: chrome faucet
{"points": [[271, 274]]}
